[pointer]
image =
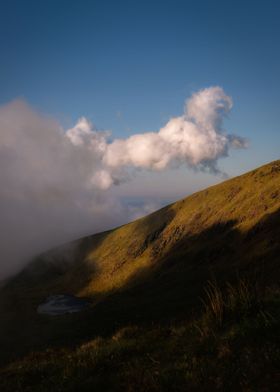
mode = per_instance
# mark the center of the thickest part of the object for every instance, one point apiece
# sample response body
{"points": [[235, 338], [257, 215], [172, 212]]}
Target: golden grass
{"points": [[244, 200], [230, 227]]}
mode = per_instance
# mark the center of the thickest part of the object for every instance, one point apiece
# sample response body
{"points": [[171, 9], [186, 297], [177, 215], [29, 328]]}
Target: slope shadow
{"points": [[22, 328], [171, 288]]}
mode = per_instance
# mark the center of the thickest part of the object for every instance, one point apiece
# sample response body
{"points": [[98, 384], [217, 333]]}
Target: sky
{"points": [[128, 67]]}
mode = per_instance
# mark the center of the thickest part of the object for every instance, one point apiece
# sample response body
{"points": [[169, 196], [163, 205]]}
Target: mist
{"points": [[55, 183]]}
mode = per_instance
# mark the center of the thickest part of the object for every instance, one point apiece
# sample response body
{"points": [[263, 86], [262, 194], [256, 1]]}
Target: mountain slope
{"points": [[152, 270], [241, 203], [230, 218]]}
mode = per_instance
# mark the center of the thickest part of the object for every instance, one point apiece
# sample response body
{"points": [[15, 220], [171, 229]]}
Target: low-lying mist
{"points": [[55, 183]]}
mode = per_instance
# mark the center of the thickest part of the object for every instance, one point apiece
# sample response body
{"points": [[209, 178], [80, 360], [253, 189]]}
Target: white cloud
{"points": [[53, 182], [196, 139], [47, 195]]}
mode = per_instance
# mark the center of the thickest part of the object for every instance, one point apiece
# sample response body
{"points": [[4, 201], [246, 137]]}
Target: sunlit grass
{"points": [[147, 328]]}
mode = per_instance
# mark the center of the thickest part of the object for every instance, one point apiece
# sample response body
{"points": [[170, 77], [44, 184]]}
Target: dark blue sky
{"points": [[129, 65]]}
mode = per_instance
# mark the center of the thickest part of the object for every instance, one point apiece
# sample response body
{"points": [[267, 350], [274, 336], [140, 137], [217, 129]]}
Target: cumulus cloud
{"points": [[196, 138], [54, 182]]}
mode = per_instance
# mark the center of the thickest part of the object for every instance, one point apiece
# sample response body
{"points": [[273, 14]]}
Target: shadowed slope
{"points": [[152, 269]]}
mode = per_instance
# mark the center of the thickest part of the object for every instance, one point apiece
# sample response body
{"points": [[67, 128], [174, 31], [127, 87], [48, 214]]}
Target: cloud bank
{"points": [[54, 182]]}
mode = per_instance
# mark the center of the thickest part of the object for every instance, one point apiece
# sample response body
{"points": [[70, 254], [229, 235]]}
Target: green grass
{"points": [[236, 349], [175, 303], [109, 261]]}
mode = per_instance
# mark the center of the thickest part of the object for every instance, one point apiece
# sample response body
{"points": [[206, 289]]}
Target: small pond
{"points": [[62, 303]]}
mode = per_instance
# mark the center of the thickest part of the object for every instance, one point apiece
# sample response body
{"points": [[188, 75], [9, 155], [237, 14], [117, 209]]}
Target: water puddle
{"points": [[62, 303]]}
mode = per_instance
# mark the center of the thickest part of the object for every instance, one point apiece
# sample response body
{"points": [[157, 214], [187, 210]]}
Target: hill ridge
{"points": [[154, 269], [240, 202]]}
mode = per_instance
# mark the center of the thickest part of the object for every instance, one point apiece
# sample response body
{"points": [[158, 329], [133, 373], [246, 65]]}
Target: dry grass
{"points": [[242, 354], [151, 272], [235, 300]]}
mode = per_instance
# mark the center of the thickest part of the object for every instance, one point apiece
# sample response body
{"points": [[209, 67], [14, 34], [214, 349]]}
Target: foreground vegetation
{"points": [[233, 345], [162, 317]]}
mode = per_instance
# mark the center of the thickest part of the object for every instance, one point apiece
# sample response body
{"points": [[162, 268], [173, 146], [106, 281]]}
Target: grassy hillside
{"points": [[232, 346], [149, 277]]}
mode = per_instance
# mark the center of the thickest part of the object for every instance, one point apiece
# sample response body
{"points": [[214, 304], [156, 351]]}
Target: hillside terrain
{"points": [[187, 297]]}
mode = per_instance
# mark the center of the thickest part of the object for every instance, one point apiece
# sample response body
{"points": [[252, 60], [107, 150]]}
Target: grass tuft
{"points": [[233, 303]]}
